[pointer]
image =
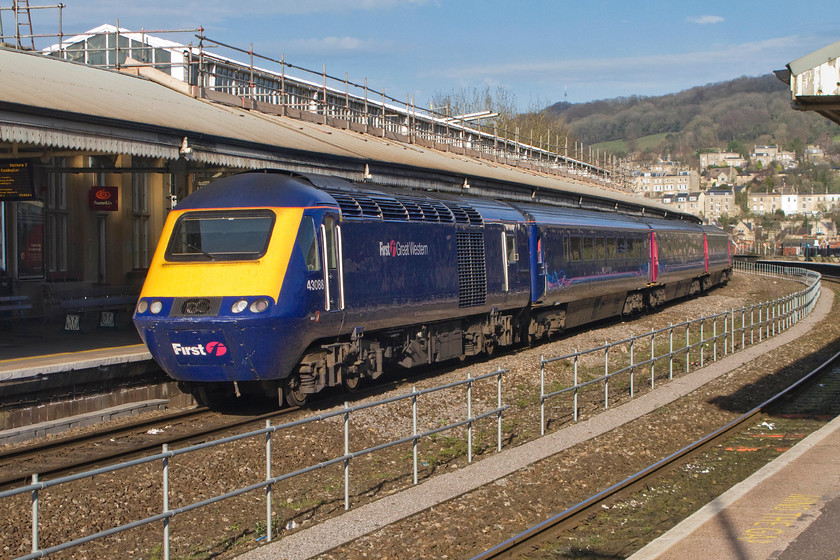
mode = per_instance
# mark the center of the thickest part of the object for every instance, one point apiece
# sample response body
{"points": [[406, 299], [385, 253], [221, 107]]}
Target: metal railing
{"points": [[761, 321], [266, 484], [666, 348]]}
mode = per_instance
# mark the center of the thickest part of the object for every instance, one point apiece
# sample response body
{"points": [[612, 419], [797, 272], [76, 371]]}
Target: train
{"points": [[279, 284]]}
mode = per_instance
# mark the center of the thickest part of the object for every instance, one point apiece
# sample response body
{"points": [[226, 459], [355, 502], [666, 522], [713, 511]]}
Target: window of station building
{"points": [[56, 216], [141, 215]]}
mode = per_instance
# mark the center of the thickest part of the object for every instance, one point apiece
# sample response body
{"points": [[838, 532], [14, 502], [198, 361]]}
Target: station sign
{"points": [[104, 199], [16, 180]]}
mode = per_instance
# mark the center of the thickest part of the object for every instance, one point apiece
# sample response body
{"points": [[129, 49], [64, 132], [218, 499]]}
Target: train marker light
{"points": [[239, 306], [259, 305], [156, 307]]}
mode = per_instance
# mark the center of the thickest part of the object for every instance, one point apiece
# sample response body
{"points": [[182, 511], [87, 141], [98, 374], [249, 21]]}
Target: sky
{"points": [[539, 51]]}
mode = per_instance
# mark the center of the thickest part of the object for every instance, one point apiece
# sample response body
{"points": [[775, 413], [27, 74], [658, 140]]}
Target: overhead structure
{"points": [[814, 82]]}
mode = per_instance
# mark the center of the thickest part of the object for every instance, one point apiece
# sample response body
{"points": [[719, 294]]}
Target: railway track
{"points": [[530, 540], [111, 444]]}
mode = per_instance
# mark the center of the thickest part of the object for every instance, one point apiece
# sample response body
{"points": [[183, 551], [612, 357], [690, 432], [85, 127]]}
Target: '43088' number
{"points": [[314, 285]]}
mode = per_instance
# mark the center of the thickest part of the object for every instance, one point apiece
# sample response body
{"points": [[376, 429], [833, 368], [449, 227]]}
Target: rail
{"points": [[166, 454], [773, 317]]}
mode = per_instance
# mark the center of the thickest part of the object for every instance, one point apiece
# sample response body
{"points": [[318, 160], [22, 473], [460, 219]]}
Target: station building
{"points": [[92, 159]]}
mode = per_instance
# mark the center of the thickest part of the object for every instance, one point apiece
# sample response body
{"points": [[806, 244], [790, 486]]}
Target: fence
{"points": [[754, 323], [166, 454], [761, 321]]}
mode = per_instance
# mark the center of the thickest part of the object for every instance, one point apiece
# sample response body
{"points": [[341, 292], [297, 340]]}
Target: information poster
{"points": [[30, 239], [3, 267], [16, 180]]}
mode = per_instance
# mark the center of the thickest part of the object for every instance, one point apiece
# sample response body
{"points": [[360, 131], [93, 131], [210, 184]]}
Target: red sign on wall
{"points": [[104, 199]]}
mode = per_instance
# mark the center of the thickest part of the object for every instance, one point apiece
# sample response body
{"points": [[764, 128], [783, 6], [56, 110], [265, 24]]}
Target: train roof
{"points": [[250, 190], [548, 215]]}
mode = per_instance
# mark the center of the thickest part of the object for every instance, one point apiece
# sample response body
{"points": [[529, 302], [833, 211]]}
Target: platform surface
{"points": [[788, 510]]}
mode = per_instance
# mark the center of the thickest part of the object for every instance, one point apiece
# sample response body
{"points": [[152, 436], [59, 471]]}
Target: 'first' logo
{"points": [[211, 349]]}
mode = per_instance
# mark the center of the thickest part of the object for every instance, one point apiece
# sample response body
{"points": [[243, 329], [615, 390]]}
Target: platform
{"points": [[788, 510], [33, 347], [56, 379]]}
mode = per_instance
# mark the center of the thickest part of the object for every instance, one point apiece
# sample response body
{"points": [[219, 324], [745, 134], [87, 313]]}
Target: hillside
{"points": [[739, 114]]}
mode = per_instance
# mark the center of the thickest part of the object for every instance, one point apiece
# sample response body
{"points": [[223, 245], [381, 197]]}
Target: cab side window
{"points": [[308, 244]]}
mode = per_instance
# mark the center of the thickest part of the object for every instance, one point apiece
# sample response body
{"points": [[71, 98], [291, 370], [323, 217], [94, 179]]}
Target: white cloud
{"points": [[705, 20], [652, 74], [337, 45]]}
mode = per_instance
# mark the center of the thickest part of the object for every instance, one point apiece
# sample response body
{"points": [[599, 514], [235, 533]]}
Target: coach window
{"points": [[510, 248], [599, 248], [308, 244], [574, 248], [611, 247], [588, 248]]}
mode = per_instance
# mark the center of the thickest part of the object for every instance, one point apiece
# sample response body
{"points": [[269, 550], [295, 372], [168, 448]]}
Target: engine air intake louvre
{"points": [[404, 208], [196, 307], [392, 209], [472, 274]]}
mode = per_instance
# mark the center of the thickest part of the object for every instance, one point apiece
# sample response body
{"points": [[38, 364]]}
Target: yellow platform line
{"points": [[46, 356]]}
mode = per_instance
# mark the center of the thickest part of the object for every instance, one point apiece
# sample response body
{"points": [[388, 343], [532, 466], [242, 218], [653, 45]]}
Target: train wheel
{"points": [[292, 392], [212, 395]]}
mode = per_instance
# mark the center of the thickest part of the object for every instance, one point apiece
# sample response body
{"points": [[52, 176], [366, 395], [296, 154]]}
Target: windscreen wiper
{"points": [[199, 249]]}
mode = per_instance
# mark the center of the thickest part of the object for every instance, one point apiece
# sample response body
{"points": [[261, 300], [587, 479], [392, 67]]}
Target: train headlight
{"points": [[142, 306], [239, 306], [259, 305], [156, 307]]}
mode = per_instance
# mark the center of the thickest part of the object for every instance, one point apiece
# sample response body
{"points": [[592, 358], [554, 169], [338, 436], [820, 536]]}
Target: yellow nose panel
{"points": [[263, 276]]}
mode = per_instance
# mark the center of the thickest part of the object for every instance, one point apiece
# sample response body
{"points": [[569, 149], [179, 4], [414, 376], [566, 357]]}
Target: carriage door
{"points": [[538, 275], [333, 272]]}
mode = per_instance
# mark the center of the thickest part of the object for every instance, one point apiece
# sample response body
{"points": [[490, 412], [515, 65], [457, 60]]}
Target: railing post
{"points": [[499, 406], [575, 404], [652, 356], [743, 328], [542, 393], [714, 338], [414, 429], [346, 456], [760, 325], [268, 477], [687, 348], [702, 341], [671, 351], [469, 417], [165, 449], [606, 375], [35, 514], [632, 372], [725, 335]]}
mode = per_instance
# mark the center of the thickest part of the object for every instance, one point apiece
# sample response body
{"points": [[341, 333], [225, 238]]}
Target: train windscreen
{"points": [[209, 236]]}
